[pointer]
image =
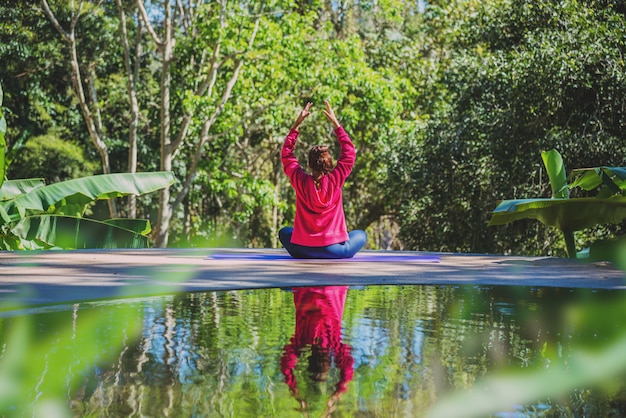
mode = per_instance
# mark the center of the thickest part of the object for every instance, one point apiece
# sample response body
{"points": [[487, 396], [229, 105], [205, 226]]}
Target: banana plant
{"points": [[570, 214], [38, 216], [610, 181]]}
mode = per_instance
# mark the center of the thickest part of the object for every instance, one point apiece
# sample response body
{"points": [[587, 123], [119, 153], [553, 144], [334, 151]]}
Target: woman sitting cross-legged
{"points": [[319, 229]]}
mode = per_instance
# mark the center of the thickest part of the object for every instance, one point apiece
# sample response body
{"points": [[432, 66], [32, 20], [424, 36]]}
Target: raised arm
{"points": [[346, 159], [291, 166]]}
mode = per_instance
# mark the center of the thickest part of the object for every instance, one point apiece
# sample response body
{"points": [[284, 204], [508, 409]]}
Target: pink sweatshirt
{"points": [[319, 220], [319, 312]]}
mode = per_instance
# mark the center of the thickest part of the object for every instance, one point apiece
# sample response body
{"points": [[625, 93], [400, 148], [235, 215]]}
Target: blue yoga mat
{"points": [[361, 257]]}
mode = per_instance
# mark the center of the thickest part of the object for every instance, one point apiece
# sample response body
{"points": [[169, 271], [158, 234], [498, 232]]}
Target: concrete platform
{"points": [[52, 277]]}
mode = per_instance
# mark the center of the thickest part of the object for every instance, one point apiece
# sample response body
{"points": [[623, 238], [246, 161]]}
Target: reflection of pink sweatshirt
{"points": [[319, 219], [319, 312]]}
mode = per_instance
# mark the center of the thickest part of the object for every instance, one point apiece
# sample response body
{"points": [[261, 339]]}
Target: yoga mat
{"points": [[361, 257]]}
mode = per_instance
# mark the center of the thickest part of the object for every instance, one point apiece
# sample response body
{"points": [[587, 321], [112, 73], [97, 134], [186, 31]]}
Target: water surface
{"points": [[377, 351]]}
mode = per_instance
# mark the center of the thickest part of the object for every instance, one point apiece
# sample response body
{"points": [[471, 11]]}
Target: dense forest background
{"points": [[449, 104]]}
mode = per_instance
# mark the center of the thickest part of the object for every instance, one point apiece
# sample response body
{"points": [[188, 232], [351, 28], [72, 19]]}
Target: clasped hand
{"points": [[328, 112]]}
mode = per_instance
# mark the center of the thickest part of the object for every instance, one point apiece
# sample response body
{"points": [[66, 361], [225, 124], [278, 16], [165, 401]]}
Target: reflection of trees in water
{"points": [[218, 352], [197, 352]]}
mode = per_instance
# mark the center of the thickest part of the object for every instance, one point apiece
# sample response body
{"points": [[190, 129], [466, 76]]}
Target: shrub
{"points": [[51, 158]]}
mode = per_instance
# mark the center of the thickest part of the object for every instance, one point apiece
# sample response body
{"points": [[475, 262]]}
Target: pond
{"points": [[375, 351]]}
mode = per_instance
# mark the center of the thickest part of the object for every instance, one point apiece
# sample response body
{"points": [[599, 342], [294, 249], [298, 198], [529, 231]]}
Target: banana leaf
{"points": [[139, 226], [590, 178], [565, 214], [12, 188], [72, 196], [65, 232], [556, 173]]}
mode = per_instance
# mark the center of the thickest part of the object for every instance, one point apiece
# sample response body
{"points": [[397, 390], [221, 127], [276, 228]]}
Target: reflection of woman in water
{"points": [[319, 311]]}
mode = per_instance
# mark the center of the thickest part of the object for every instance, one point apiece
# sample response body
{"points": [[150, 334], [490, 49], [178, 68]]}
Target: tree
{"points": [[132, 61], [222, 62], [523, 77], [34, 80], [90, 111], [34, 215]]}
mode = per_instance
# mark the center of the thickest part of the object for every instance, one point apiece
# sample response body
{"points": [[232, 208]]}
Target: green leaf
{"points": [[591, 178], [564, 214], [139, 226], [55, 231], [12, 188], [556, 172], [71, 196], [4, 216]]}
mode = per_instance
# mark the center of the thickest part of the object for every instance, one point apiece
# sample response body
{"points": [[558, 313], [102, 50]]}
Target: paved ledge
{"points": [[55, 277]]}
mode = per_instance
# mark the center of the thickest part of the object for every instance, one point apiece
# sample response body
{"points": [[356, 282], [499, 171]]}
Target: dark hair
{"points": [[320, 159], [319, 363]]}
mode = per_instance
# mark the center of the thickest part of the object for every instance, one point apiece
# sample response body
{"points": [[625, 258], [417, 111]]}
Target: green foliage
{"points": [[12, 188], [556, 173], [521, 77], [51, 158], [39, 216], [35, 216], [612, 179], [569, 214], [34, 76], [67, 232], [444, 100], [572, 214]]}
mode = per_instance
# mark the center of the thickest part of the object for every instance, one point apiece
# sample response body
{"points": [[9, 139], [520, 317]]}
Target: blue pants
{"points": [[347, 249]]}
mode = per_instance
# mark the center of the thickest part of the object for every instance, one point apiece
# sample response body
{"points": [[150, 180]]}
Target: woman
{"points": [[319, 229]]}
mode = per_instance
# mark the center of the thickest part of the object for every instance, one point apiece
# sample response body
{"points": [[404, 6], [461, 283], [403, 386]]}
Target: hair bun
{"points": [[320, 159]]}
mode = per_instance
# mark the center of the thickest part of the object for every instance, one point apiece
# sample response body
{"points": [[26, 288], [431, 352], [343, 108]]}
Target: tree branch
{"points": [[75, 16], [77, 81], [65, 35], [131, 85], [183, 15], [206, 85], [208, 123], [146, 21]]}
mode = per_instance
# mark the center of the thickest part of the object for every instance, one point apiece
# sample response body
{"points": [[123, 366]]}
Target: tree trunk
{"points": [[165, 212], [77, 83], [169, 147], [165, 46], [275, 218], [131, 77]]}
